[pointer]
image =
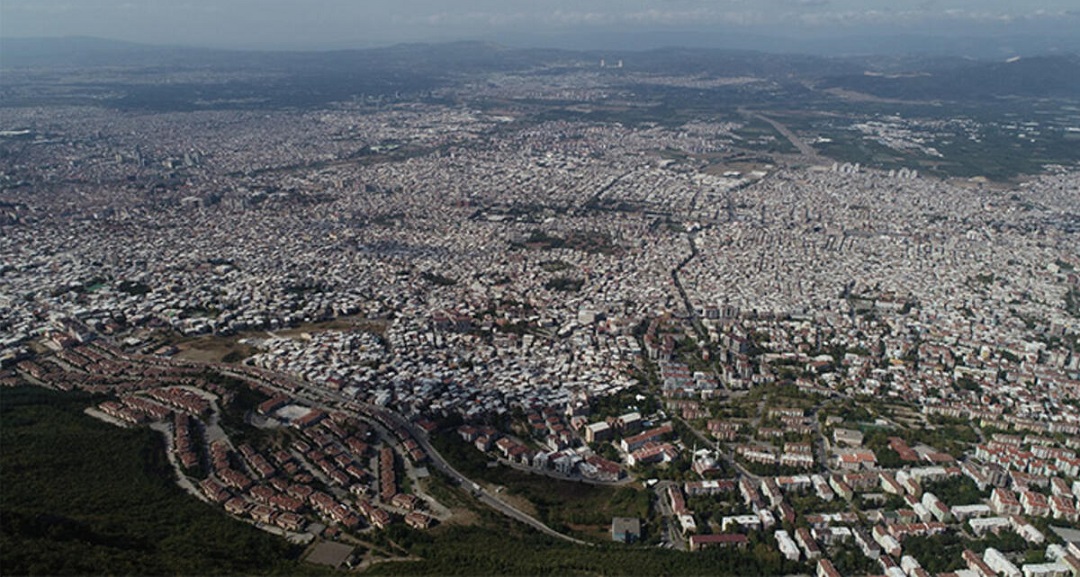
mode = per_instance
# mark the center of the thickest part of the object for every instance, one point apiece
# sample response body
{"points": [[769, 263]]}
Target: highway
{"points": [[323, 399], [479, 492], [568, 478], [437, 461]]}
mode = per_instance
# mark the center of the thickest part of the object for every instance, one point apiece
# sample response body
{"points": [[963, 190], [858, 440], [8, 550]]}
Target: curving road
{"points": [[320, 398], [437, 459], [628, 479], [670, 530], [479, 492]]}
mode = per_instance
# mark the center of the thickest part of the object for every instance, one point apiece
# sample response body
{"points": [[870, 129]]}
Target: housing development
{"points": [[382, 312]]}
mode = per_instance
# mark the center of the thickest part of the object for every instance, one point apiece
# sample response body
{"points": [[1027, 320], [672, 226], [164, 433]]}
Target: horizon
{"points": [[969, 47], [957, 27], [616, 293]]}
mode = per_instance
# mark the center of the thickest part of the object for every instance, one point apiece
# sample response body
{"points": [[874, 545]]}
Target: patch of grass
{"points": [[437, 279], [555, 265], [565, 284], [567, 506], [1072, 302]]}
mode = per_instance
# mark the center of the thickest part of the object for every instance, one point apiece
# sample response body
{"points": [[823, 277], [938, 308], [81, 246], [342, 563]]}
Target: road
{"points": [[599, 193], [821, 444], [727, 457], [569, 478], [804, 148], [691, 312], [321, 398], [479, 492], [437, 460], [670, 531]]}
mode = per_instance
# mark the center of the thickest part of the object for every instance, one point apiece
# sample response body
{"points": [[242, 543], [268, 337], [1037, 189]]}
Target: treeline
{"points": [[505, 550]]}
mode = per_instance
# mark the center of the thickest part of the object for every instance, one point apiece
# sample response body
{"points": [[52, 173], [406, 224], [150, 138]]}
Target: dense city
{"points": [[368, 315]]}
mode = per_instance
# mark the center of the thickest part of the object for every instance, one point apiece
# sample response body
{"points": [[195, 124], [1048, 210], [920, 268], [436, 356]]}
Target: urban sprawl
{"points": [[790, 335]]}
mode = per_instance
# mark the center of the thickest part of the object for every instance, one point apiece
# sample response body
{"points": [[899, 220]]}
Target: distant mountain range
{"points": [[864, 43], [424, 58], [1037, 77], [910, 77]]}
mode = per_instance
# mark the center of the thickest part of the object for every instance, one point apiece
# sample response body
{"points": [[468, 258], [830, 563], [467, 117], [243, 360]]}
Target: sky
{"points": [[320, 24]]}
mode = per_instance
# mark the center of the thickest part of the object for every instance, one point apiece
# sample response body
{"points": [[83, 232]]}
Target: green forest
{"points": [[84, 497], [503, 548]]}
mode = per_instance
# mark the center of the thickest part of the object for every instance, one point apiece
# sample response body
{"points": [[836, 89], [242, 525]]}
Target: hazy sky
{"points": [[332, 23]]}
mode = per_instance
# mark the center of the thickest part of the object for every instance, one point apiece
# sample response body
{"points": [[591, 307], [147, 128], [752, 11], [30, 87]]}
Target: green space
{"points": [[504, 548], [759, 135], [481, 549], [133, 288], [592, 242], [565, 284], [712, 509], [623, 402], [781, 395], [555, 265], [1072, 302], [84, 497], [437, 279], [980, 138], [809, 502], [952, 436], [242, 400], [942, 553], [957, 490], [850, 560], [938, 553], [581, 509]]}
